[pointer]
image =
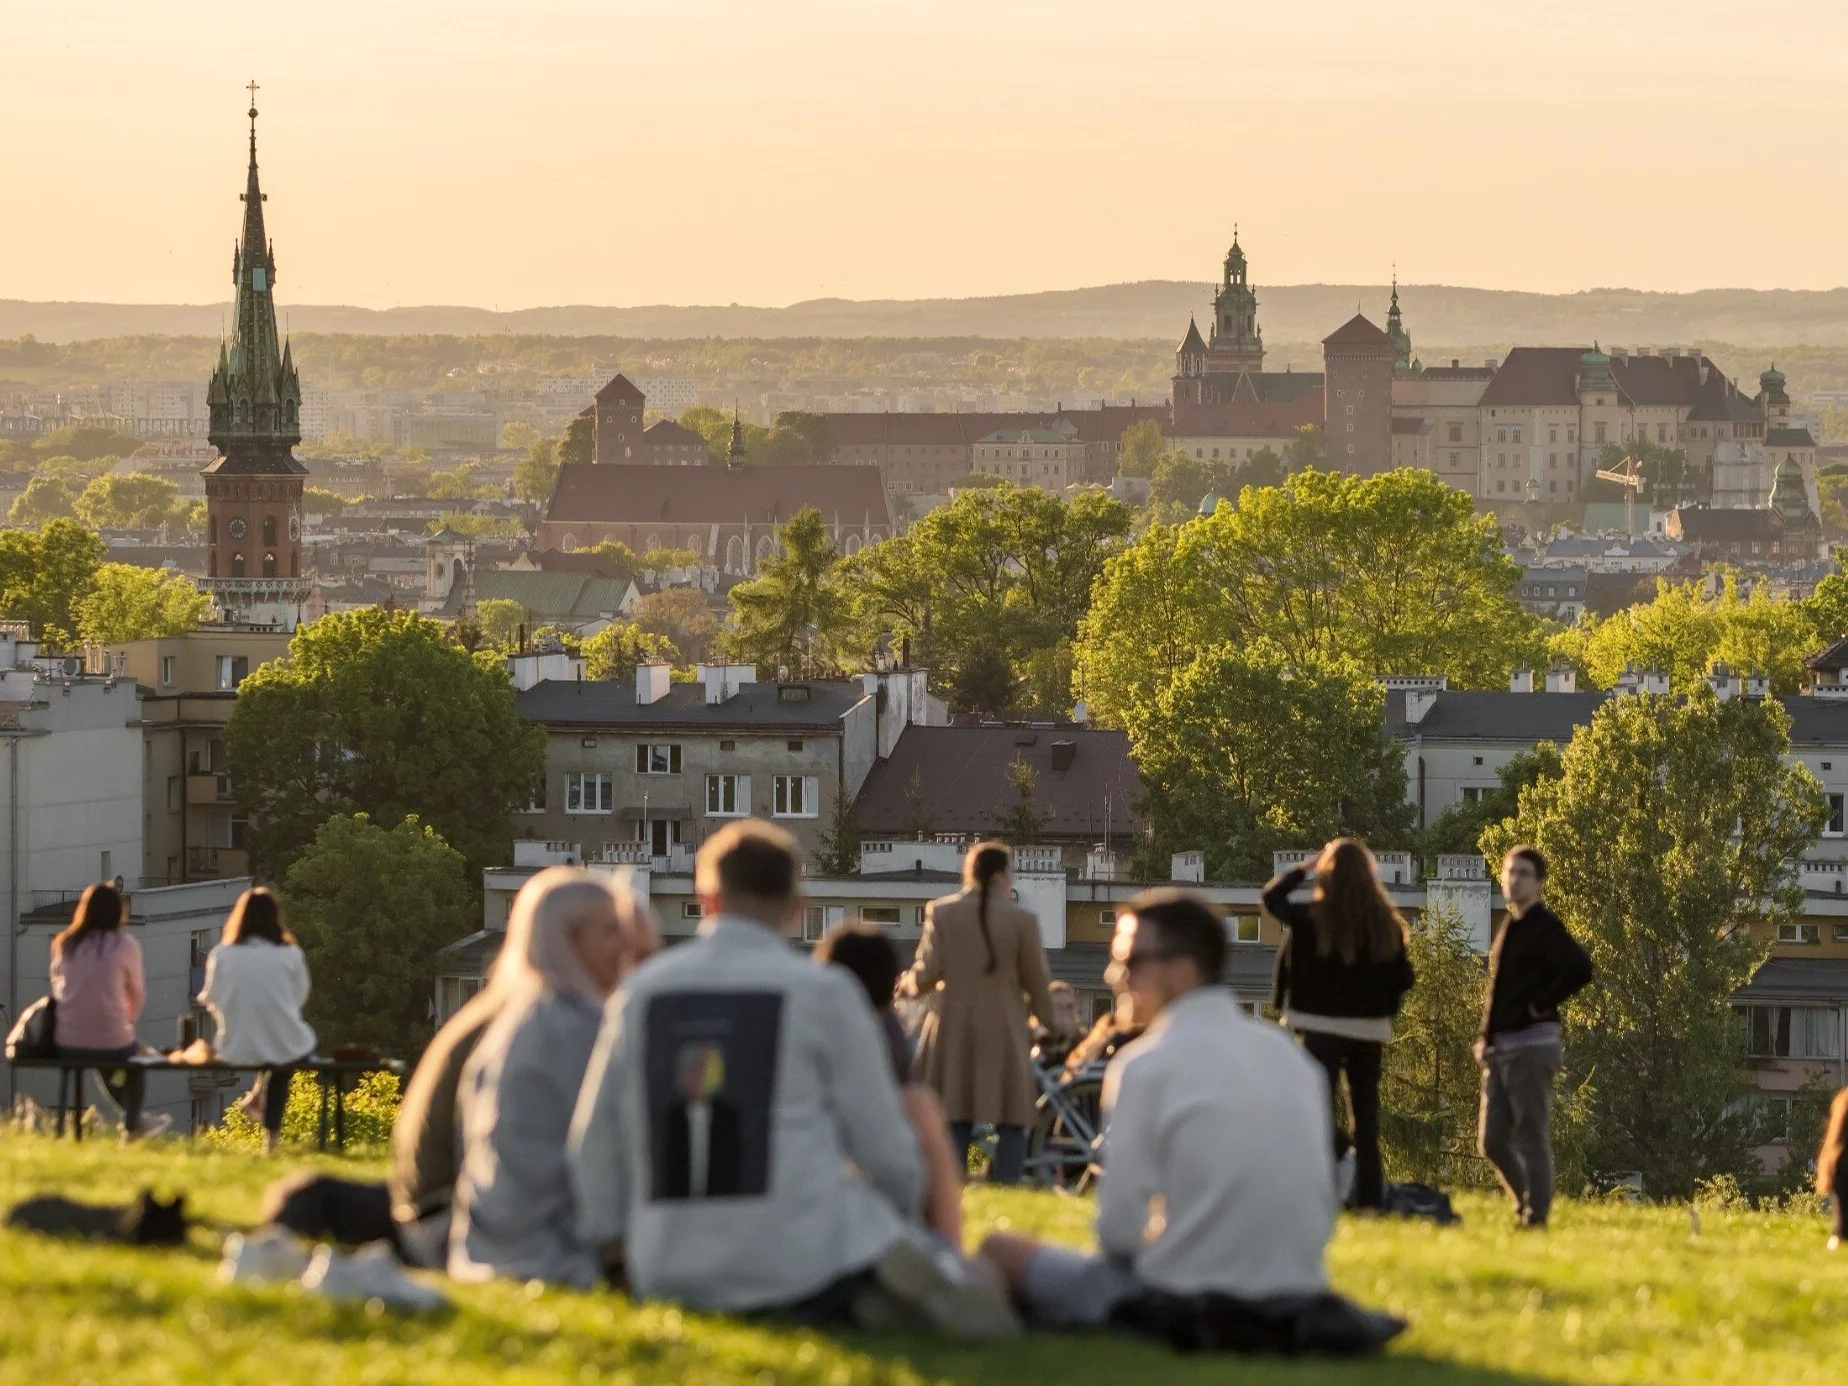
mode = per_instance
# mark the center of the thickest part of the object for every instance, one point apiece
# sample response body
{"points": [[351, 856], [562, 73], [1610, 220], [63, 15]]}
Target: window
{"points": [[167, 663], [588, 792], [793, 796], [1790, 1032], [1456, 433], [728, 796], [1242, 928], [1799, 933], [792, 745], [1598, 432], [231, 672], [452, 993], [1833, 828], [1472, 794], [882, 914], [659, 835], [269, 530], [689, 909], [1841, 933], [1107, 918], [818, 919], [657, 760], [535, 797], [1475, 760], [1552, 433]]}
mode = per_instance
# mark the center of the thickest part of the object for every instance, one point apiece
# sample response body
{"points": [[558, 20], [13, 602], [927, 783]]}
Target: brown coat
{"points": [[974, 1047]]}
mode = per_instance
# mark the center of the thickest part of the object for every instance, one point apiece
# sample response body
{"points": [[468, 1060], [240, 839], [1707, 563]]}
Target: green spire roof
{"points": [[254, 396]]}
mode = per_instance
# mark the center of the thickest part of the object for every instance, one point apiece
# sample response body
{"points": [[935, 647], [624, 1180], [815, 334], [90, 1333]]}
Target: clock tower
{"points": [[253, 489]]}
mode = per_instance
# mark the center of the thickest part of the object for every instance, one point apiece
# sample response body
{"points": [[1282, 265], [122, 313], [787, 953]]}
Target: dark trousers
{"points": [[1010, 1150], [1516, 1125], [1360, 1060], [124, 1085], [321, 1208], [275, 1086]]}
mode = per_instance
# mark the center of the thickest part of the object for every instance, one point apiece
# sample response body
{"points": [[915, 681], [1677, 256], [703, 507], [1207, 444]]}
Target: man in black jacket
{"points": [[1534, 966]]}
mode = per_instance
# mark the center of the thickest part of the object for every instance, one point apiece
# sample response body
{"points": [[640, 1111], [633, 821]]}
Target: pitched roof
{"points": [[621, 387], [1457, 373], [1536, 375], [602, 703], [1359, 331], [1833, 658], [636, 493], [1246, 417], [560, 596], [667, 433], [1405, 425], [1789, 438], [1495, 715], [963, 773], [1798, 979], [960, 430], [1029, 435], [1193, 344], [1697, 522]]}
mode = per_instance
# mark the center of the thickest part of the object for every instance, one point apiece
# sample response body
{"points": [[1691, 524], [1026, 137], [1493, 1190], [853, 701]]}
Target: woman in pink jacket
{"points": [[96, 981]]}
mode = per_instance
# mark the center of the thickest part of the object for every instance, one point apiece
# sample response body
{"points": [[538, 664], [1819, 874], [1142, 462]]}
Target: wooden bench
{"points": [[333, 1075]]}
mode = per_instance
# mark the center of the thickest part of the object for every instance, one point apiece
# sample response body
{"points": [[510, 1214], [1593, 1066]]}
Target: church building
{"points": [[253, 489]]}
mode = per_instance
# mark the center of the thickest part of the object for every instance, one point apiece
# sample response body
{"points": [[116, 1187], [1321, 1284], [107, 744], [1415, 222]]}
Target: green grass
{"points": [[1610, 1294]]}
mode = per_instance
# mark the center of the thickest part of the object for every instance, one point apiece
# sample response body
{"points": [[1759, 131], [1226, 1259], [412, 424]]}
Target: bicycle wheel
{"points": [[1065, 1128]]}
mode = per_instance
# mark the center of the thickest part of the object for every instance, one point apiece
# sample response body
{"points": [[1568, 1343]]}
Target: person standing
{"points": [[981, 953], [1535, 966], [1341, 974], [256, 983], [97, 982]]}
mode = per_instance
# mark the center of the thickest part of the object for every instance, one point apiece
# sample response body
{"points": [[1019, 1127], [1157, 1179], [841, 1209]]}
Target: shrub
{"points": [[371, 1108]]}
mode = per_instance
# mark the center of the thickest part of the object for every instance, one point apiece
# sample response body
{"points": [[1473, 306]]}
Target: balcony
{"points": [[207, 863], [208, 789]]}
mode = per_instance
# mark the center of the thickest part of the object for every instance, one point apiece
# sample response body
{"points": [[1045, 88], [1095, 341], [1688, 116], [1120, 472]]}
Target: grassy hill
{"points": [[1611, 1294], [1156, 309]]}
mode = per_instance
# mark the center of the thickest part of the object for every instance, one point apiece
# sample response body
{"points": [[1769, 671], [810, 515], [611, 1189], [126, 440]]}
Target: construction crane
{"points": [[1629, 475]]}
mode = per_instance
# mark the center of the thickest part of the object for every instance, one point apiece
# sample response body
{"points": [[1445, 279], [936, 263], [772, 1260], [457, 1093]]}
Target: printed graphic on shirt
{"points": [[710, 1070]]}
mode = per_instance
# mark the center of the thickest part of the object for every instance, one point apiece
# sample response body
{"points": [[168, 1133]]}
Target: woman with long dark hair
{"points": [[1341, 974], [981, 953], [1832, 1168], [256, 983], [97, 982]]}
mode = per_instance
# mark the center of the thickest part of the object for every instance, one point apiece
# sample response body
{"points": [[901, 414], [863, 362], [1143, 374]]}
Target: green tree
{"points": [[518, 436], [614, 651], [1428, 1091], [372, 906], [795, 613], [378, 712], [668, 560], [1459, 828], [1263, 468], [1021, 821], [1395, 572], [87, 443], [627, 564], [500, 620], [1826, 610], [1180, 480], [1144, 444], [838, 851], [1668, 833], [916, 826], [715, 426], [318, 500], [535, 477], [1306, 451], [457, 484], [45, 498], [1247, 751], [135, 501], [799, 437], [128, 602], [44, 575], [578, 443], [681, 617]]}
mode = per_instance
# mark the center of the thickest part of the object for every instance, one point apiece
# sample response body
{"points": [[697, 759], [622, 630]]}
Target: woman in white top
{"points": [[256, 983]]}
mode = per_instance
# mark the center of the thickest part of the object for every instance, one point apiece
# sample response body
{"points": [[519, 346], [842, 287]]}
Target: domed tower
{"points": [[1395, 328], [1238, 343], [253, 490], [1595, 372], [1773, 398]]}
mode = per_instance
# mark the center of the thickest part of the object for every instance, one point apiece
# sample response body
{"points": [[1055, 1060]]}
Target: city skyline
{"points": [[638, 153]]}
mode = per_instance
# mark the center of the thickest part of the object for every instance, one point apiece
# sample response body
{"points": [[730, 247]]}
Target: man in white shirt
{"points": [[1218, 1177], [739, 1143]]}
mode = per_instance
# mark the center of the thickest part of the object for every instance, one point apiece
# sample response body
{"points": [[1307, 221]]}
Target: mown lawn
{"points": [[1610, 1294]]}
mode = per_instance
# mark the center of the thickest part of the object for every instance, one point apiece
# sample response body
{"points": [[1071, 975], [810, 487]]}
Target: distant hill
{"points": [[1156, 309]]}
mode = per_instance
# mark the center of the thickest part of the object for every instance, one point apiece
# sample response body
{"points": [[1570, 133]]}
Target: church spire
{"points": [[1395, 328]]}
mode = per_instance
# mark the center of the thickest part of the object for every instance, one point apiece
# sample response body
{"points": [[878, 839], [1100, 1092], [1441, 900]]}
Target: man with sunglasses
{"points": [[1218, 1177]]}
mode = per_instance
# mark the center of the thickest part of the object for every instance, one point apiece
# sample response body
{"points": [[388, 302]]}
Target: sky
{"points": [[629, 152]]}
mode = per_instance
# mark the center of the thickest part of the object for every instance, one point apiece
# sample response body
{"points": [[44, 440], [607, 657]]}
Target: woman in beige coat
{"points": [[982, 956]]}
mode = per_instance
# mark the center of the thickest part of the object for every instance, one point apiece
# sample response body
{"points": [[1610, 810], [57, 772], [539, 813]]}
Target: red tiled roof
{"points": [[1085, 782], [1245, 419], [623, 493], [960, 430], [1358, 331]]}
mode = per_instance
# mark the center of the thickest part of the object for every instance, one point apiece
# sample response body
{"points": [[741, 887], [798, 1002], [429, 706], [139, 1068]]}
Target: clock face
{"points": [[237, 528], [295, 527]]}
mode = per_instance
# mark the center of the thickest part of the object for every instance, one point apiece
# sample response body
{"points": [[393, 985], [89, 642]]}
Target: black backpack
{"points": [[35, 1034]]}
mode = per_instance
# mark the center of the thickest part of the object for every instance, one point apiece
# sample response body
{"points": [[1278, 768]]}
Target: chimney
{"points": [[1187, 868], [1521, 681], [1757, 686], [1454, 363], [1724, 682], [1419, 702], [651, 683], [1655, 681], [1561, 679], [722, 680], [1493, 363]]}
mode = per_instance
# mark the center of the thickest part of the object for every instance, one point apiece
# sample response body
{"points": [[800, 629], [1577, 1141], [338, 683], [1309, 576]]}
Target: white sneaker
{"points": [[953, 1293], [370, 1273], [270, 1255]]}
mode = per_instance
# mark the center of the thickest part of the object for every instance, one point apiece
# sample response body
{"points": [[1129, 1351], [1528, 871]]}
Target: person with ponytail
{"points": [[982, 956]]}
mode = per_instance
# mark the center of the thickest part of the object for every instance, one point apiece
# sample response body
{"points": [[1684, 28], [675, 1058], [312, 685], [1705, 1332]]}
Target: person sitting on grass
{"points": [[571, 938], [1832, 1168], [866, 952], [1218, 1171], [256, 983], [740, 1146], [97, 982]]}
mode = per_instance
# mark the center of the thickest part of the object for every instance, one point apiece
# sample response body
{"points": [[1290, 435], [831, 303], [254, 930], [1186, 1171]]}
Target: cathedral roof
{"points": [[621, 387], [1193, 343], [1357, 331]]}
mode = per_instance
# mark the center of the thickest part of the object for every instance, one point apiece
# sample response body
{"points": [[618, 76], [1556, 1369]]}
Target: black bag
{"points": [[1326, 1324], [1418, 1201], [35, 1034]]}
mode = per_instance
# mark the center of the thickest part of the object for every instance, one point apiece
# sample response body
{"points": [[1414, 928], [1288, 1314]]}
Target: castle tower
{"points": [[1237, 343], [253, 489], [1357, 398], [1190, 367], [619, 409]]}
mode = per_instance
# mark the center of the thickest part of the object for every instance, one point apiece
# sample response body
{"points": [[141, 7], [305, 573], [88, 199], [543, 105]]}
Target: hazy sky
{"points": [[712, 151]]}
